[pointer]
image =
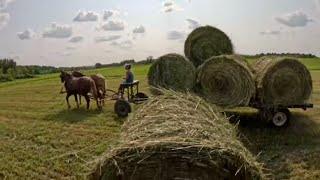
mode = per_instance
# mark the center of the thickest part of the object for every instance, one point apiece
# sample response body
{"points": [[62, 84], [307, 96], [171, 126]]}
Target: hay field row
{"points": [[41, 139]]}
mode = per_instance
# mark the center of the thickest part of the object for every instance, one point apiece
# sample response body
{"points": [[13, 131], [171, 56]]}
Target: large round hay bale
{"points": [[172, 71], [226, 81], [178, 136], [282, 81], [205, 42]]}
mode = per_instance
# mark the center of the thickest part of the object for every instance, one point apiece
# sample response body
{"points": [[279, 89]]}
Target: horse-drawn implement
{"points": [[127, 93]]}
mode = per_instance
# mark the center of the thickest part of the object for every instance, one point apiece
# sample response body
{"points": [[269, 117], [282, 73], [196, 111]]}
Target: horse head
{"points": [[64, 76]]}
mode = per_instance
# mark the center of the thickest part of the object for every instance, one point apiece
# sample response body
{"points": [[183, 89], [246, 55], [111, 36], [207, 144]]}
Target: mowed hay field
{"points": [[41, 139]]}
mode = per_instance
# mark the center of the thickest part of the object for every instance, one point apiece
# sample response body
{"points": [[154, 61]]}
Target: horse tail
{"points": [[94, 89]]}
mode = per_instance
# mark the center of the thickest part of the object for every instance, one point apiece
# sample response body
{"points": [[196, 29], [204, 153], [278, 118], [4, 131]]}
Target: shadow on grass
{"points": [[284, 151], [82, 114]]}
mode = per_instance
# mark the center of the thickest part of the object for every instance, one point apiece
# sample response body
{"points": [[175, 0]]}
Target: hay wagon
{"points": [[278, 115], [129, 93]]}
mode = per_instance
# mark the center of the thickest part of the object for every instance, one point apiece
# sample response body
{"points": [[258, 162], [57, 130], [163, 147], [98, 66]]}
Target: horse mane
{"points": [[77, 74]]}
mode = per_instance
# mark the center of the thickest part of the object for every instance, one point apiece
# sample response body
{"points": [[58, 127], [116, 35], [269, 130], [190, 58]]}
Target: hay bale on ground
{"points": [[172, 71], [205, 42], [282, 81], [178, 136], [226, 81]]}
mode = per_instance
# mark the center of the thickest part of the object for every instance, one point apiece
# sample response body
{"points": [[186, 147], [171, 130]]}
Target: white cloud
{"points": [[169, 6], [107, 38], [127, 44], [109, 13], [176, 35], [57, 31], [113, 25], [295, 19], [270, 32], [4, 19], [193, 24], [85, 16], [4, 3], [76, 39], [71, 48], [27, 34], [139, 29]]}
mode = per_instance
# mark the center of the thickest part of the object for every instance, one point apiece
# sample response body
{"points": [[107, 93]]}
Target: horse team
{"points": [[78, 85]]}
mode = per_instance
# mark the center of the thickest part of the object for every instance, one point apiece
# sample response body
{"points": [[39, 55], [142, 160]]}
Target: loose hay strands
{"points": [[178, 136], [172, 71], [226, 81], [205, 42], [282, 81]]}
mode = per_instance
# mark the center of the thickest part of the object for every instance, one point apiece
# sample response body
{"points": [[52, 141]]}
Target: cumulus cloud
{"points": [[270, 32], [4, 3], [113, 25], [107, 38], [169, 6], [57, 31], [4, 19], [295, 19], [176, 35], [193, 24], [139, 29], [109, 13], [86, 16], [76, 39], [71, 48], [127, 44], [27, 34]]}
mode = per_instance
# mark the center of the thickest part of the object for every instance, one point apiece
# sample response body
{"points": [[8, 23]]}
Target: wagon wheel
{"points": [[122, 108], [140, 97], [281, 118]]}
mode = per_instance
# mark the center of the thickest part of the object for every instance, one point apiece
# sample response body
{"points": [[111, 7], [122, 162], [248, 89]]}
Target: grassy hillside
{"points": [[41, 139]]}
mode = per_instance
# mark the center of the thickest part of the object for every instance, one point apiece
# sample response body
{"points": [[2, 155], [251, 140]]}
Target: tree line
{"points": [[295, 55], [9, 70]]}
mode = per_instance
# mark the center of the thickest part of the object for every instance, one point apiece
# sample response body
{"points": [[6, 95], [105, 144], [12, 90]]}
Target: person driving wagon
{"points": [[128, 79]]}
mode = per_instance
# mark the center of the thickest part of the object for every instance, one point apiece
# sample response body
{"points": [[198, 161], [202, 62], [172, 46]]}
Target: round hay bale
{"points": [[205, 42], [172, 71], [178, 136], [226, 81], [282, 81]]}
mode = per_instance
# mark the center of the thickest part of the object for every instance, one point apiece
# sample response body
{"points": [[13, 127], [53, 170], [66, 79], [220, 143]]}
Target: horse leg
{"points": [[76, 98], [88, 101], [80, 99], [67, 99]]}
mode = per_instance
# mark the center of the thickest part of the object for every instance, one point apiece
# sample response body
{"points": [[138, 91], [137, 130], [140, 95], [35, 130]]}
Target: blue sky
{"points": [[83, 32]]}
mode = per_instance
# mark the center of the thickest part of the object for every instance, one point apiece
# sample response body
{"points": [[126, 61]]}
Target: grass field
{"points": [[41, 139]]}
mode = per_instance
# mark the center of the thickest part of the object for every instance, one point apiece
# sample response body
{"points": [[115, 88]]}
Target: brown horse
{"points": [[79, 86], [100, 82]]}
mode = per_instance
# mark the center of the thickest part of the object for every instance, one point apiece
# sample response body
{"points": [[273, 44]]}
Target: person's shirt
{"points": [[129, 77]]}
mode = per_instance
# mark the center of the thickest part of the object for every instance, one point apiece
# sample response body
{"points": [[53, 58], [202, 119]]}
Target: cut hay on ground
{"points": [[172, 71], [282, 81], [178, 136], [205, 42], [226, 81]]}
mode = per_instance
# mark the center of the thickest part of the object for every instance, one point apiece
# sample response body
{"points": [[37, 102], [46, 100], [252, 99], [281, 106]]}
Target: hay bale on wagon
{"points": [[226, 81], [172, 71], [282, 81], [178, 136], [205, 42]]}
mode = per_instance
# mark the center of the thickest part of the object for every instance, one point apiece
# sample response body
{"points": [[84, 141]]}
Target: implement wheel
{"points": [[281, 118], [122, 108]]}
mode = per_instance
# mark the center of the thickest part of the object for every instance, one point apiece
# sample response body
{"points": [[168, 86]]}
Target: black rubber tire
{"points": [[281, 112], [122, 108]]}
